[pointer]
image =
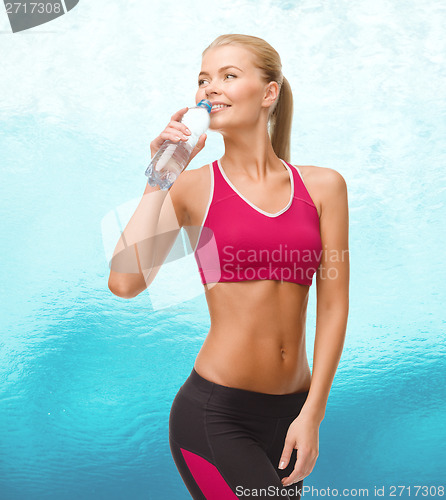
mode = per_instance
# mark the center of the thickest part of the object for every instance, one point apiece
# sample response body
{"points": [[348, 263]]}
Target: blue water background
{"points": [[86, 378]]}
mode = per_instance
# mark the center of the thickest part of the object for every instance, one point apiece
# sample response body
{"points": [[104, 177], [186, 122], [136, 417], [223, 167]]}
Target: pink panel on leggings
{"points": [[210, 481]]}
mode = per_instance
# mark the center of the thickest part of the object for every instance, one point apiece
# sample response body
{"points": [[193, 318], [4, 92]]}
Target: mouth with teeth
{"points": [[218, 107]]}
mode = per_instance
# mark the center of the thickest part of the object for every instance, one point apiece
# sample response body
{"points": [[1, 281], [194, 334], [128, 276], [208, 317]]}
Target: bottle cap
{"points": [[204, 103]]}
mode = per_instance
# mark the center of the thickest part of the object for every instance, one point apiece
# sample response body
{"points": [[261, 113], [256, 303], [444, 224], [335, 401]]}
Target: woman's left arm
{"points": [[332, 282]]}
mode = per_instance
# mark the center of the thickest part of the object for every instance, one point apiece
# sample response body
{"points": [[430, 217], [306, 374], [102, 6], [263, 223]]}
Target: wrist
{"points": [[312, 413]]}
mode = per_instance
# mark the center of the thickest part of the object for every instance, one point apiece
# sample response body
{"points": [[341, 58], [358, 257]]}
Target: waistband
{"points": [[242, 400]]}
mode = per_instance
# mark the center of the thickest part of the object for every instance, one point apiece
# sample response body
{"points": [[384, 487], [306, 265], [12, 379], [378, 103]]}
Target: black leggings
{"points": [[227, 442]]}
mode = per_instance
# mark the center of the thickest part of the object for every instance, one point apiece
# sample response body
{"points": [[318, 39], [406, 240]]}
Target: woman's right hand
{"points": [[176, 132]]}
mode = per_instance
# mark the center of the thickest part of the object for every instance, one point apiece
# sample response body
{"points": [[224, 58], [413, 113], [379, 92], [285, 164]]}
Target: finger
{"points": [[178, 127], [171, 135], [179, 114], [299, 472], [286, 454], [177, 134], [200, 145], [202, 140], [294, 477]]}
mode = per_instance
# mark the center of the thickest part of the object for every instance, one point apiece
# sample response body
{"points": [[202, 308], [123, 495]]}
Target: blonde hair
{"points": [[267, 59]]}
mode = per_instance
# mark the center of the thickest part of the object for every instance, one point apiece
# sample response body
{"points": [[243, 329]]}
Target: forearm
{"points": [[133, 255], [331, 325]]}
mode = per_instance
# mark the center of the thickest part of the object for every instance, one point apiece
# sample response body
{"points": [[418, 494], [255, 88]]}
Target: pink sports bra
{"points": [[238, 241]]}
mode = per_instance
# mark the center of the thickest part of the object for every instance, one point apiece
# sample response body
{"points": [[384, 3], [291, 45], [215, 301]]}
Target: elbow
{"points": [[122, 291]]}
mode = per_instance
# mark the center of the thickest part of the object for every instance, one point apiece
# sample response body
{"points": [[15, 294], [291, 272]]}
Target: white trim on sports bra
{"points": [[252, 204]]}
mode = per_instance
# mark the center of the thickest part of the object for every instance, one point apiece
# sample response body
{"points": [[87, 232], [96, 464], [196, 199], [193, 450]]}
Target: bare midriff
{"points": [[256, 340]]}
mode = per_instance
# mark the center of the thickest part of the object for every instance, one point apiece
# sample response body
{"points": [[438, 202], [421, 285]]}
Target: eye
{"points": [[227, 74]]}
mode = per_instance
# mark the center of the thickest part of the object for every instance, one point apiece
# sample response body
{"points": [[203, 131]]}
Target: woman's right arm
{"points": [[153, 228]]}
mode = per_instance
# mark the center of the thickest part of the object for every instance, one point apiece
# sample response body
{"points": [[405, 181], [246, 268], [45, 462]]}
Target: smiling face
{"points": [[228, 76]]}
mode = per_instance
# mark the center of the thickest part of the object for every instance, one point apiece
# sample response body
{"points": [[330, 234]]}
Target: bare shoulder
{"points": [[188, 193], [323, 183], [323, 177]]}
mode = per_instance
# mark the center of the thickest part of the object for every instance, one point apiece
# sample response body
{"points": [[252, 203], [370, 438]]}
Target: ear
{"points": [[271, 94]]}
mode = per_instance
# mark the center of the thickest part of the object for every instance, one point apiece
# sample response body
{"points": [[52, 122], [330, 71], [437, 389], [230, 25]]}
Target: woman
{"points": [[246, 421]]}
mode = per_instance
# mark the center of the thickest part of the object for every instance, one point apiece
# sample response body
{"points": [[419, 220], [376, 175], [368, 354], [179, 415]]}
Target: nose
{"points": [[212, 88]]}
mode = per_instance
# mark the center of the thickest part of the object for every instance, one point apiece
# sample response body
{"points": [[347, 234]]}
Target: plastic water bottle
{"points": [[172, 157]]}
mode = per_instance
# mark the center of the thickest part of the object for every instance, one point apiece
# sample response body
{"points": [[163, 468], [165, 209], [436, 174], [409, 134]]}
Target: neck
{"points": [[250, 153]]}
